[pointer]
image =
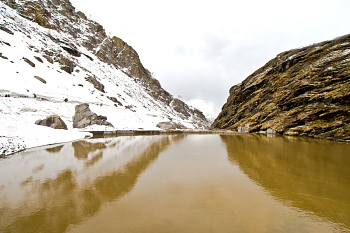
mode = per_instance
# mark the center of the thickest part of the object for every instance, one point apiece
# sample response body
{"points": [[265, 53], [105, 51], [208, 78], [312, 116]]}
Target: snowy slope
{"points": [[39, 87]]}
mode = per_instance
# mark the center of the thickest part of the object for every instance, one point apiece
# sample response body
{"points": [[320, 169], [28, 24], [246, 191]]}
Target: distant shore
{"points": [[140, 132], [11, 145]]}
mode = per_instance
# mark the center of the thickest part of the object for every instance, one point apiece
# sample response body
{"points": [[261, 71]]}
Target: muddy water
{"points": [[194, 183]]}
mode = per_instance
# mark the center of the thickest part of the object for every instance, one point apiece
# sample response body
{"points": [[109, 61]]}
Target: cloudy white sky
{"points": [[198, 49]]}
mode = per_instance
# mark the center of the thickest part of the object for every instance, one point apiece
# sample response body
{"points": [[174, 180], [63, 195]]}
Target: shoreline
{"points": [[15, 144], [90, 134], [10, 145], [138, 132]]}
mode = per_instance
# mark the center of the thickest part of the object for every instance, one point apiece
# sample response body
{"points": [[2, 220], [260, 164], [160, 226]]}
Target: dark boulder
{"points": [[66, 64], [40, 79], [3, 57], [39, 59], [71, 51], [93, 80], [53, 121], [32, 64], [115, 100], [5, 29]]}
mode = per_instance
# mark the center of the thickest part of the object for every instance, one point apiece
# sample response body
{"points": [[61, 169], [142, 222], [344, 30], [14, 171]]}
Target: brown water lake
{"points": [[178, 183]]}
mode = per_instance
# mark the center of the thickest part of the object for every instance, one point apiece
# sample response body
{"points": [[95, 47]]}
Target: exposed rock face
{"points": [[66, 64], [93, 80], [115, 100], [6, 30], [84, 117], [53, 121], [300, 92], [35, 11]]}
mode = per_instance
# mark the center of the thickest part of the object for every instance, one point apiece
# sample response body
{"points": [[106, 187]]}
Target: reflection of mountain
{"points": [[52, 206], [311, 175], [55, 149]]}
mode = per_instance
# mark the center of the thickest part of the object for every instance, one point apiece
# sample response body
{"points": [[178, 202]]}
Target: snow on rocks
{"points": [[10, 145]]}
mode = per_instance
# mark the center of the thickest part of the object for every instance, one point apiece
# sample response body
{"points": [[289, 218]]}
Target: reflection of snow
{"points": [[101, 157], [69, 178]]}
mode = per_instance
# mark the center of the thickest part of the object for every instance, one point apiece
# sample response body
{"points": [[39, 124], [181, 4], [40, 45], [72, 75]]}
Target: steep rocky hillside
{"points": [[304, 91], [49, 52]]}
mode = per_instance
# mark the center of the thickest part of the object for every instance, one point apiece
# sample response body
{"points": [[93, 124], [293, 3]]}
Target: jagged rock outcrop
{"points": [[53, 121], [115, 100], [85, 117], [302, 92], [98, 85]]}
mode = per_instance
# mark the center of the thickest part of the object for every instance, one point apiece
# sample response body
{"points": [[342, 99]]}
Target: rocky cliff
{"points": [[304, 92], [60, 35]]}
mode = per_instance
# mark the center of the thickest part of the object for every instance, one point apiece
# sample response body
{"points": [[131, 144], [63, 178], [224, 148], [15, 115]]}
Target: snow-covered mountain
{"points": [[53, 58]]}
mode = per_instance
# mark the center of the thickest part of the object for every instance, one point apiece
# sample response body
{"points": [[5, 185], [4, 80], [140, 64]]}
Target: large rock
{"points": [[66, 64], [53, 121], [98, 85], [84, 117], [170, 125], [303, 92]]}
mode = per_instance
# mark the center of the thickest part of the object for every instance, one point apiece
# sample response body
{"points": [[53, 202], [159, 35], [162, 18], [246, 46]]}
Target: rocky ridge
{"points": [[67, 36], [301, 92]]}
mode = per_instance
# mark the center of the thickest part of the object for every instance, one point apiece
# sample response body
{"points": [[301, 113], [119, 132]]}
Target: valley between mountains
{"points": [[60, 69]]}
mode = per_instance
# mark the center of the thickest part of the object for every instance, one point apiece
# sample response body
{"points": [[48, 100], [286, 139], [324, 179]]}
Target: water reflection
{"points": [[55, 149], [311, 175], [74, 182], [83, 148], [200, 184]]}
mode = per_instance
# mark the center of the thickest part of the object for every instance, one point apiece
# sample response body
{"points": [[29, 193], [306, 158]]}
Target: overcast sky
{"points": [[198, 49]]}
